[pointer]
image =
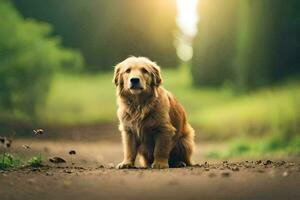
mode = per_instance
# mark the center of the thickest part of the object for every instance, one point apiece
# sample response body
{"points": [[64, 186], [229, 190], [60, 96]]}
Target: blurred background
{"points": [[233, 64]]}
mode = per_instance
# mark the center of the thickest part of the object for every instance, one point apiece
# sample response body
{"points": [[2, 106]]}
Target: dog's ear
{"points": [[157, 79], [117, 74]]}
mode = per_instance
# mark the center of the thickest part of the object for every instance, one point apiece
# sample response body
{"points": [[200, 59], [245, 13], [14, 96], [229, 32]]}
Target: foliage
{"points": [[259, 147], [248, 43], [214, 46], [35, 161], [29, 56], [109, 31], [8, 161]]}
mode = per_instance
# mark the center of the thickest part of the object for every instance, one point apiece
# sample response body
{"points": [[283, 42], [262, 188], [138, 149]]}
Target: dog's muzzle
{"points": [[135, 83]]}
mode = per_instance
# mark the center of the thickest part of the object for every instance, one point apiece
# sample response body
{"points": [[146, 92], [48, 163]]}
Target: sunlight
{"points": [[187, 19]]}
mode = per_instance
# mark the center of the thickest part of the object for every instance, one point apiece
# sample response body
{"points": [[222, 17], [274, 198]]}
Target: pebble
{"points": [[258, 162], [235, 168], [100, 167], [111, 165], [67, 171], [267, 162], [225, 174], [49, 174], [285, 173]]}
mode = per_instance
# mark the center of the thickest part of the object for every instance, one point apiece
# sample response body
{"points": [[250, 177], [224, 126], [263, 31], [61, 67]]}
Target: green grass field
{"points": [[219, 113]]}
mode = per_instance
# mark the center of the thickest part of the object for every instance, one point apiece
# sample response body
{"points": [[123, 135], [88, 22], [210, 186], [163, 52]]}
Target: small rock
{"points": [[111, 166], [67, 171], [267, 162], [100, 167], [49, 174], [57, 160], [211, 175], [285, 173], [258, 162], [225, 174], [235, 168], [72, 152]]}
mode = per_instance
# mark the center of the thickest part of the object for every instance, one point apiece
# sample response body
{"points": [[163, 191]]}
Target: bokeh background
{"points": [[233, 64]]}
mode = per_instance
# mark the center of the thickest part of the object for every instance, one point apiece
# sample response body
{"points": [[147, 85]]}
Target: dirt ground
{"points": [[93, 176]]}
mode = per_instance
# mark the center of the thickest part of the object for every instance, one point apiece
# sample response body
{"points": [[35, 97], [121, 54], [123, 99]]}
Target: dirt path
{"points": [[94, 177]]}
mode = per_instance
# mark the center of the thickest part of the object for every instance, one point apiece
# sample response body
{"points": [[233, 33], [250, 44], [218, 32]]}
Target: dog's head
{"points": [[137, 75]]}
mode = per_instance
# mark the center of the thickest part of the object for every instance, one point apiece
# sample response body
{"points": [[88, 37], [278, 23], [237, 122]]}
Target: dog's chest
{"points": [[135, 124]]}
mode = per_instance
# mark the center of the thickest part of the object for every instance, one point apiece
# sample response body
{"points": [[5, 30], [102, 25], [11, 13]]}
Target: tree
{"points": [[107, 32], [28, 59], [252, 43], [268, 43], [214, 46]]}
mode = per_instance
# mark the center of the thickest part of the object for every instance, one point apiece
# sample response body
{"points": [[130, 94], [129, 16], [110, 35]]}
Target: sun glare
{"points": [[187, 19]]}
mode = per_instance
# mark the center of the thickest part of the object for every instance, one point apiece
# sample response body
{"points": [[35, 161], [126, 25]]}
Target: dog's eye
{"points": [[128, 70], [144, 70]]}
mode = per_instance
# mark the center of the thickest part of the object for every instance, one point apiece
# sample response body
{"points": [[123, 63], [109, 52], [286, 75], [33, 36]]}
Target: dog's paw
{"points": [[125, 165], [160, 165]]}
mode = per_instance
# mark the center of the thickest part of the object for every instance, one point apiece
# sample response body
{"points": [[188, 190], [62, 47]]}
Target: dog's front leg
{"points": [[130, 150], [163, 146]]}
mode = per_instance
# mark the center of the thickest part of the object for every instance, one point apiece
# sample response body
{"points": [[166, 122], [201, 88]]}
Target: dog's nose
{"points": [[134, 81]]}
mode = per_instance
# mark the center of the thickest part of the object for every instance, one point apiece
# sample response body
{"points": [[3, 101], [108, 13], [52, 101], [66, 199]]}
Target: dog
{"points": [[153, 124]]}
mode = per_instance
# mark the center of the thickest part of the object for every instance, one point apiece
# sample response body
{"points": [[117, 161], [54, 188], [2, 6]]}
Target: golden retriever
{"points": [[153, 124]]}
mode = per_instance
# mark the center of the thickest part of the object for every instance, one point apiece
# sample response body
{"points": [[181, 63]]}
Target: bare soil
{"points": [[93, 176]]}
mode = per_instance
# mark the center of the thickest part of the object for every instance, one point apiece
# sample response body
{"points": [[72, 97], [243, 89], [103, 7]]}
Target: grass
{"points": [[35, 161], [251, 148], [8, 161], [77, 99]]}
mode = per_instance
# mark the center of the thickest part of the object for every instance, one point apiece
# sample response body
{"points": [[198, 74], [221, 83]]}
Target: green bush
{"points": [[35, 161], [29, 56], [7, 160], [257, 147], [109, 31]]}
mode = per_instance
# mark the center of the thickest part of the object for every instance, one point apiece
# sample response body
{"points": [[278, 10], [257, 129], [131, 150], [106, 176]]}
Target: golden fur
{"points": [[153, 124]]}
